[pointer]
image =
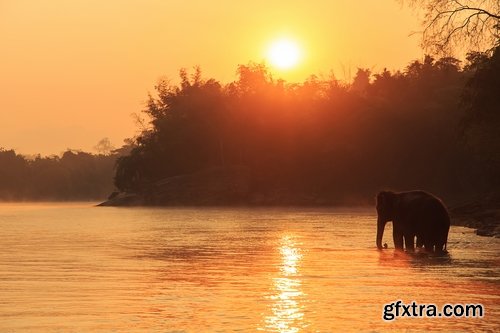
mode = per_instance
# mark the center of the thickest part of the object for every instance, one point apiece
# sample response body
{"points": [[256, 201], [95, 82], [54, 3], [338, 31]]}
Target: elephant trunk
{"points": [[380, 232]]}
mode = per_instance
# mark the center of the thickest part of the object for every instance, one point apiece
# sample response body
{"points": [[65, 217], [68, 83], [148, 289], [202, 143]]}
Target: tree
{"points": [[361, 80], [482, 120], [104, 147], [451, 24]]}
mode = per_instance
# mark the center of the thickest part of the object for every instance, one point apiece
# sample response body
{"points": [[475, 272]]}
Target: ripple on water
{"points": [[80, 268]]}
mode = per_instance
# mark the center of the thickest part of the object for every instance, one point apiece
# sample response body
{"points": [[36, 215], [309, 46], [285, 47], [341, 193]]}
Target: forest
{"points": [[75, 175], [432, 125]]}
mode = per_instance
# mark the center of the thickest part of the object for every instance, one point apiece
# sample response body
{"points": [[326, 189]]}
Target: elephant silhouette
{"points": [[413, 214]]}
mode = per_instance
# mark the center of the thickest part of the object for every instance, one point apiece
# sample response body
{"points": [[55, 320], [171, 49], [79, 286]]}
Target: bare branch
{"points": [[459, 24]]}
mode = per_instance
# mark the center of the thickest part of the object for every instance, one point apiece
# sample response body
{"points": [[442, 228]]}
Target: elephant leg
{"points": [[420, 241], [397, 236], [441, 240], [429, 246], [440, 248], [410, 243]]}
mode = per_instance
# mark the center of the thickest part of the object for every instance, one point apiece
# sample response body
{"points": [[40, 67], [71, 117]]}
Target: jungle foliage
{"points": [[432, 125]]}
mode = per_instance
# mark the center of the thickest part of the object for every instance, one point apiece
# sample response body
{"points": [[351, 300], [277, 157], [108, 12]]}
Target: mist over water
{"points": [[75, 267]]}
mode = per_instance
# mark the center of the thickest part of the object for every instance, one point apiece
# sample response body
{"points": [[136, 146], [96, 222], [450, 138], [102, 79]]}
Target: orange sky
{"points": [[73, 72]]}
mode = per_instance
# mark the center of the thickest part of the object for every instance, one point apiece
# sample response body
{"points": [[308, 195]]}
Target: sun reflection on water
{"points": [[286, 309]]}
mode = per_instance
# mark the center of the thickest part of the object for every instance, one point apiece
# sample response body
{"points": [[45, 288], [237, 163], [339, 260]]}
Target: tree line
{"points": [[432, 125], [75, 175]]}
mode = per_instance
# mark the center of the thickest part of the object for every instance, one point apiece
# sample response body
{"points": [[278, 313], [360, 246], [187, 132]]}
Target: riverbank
{"points": [[481, 214], [230, 186], [234, 186]]}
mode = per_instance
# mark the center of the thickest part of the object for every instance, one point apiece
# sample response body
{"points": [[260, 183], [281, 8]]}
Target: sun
{"points": [[284, 54]]}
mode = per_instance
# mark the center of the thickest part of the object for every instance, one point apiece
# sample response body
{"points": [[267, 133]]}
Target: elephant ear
{"points": [[381, 198], [386, 199]]}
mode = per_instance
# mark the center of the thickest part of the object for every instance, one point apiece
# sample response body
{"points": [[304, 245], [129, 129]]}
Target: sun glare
{"points": [[284, 54]]}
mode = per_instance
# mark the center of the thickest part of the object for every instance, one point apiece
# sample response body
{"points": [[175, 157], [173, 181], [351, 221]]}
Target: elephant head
{"points": [[386, 202]]}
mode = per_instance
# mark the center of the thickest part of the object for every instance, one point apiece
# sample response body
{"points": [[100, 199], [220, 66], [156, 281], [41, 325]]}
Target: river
{"points": [[79, 268]]}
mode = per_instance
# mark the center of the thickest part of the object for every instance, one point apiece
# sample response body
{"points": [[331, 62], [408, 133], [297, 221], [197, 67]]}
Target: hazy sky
{"points": [[73, 71]]}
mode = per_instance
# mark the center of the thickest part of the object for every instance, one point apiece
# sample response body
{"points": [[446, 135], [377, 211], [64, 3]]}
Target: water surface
{"points": [[78, 268]]}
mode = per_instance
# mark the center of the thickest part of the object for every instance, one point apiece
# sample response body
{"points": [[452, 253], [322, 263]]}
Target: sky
{"points": [[74, 72]]}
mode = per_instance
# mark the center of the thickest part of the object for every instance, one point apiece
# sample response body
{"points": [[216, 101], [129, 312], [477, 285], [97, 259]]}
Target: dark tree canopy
{"points": [[481, 101], [322, 137]]}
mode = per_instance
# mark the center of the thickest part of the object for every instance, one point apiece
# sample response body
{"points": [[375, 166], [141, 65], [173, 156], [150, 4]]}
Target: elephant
{"points": [[413, 214]]}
